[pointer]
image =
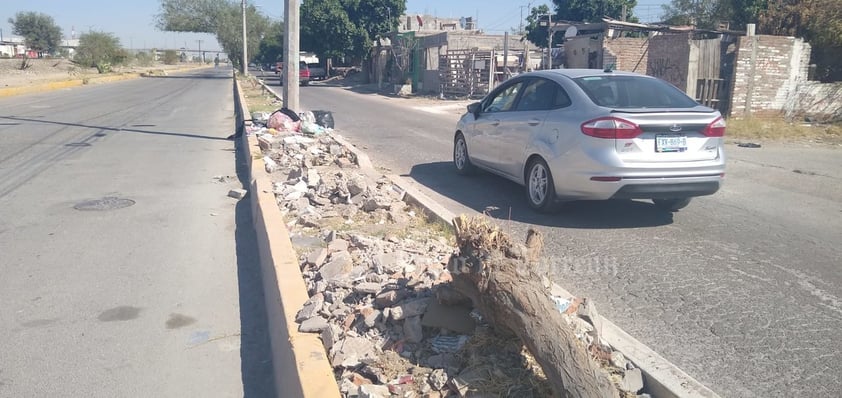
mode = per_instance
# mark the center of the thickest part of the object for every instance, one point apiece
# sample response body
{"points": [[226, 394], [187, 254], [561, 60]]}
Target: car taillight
{"points": [[611, 127], [715, 129]]}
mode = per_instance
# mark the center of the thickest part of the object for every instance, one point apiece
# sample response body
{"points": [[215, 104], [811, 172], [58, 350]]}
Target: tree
{"points": [[38, 30], [100, 50], [271, 48], [593, 10], [222, 18], [574, 11], [819, 22], [347, 28]]}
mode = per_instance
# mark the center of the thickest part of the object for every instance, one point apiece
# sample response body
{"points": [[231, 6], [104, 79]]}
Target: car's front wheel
{"points": [[460, 156], [540, 189], [671, 204]]}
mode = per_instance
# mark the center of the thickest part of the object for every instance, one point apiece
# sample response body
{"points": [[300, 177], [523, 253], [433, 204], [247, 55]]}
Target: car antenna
{"points": [[609, 68]]}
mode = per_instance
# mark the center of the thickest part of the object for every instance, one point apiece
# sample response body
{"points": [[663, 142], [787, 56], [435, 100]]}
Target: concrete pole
{"points": [[505, 55], [245, 65], [291, 55], [550, 41]]}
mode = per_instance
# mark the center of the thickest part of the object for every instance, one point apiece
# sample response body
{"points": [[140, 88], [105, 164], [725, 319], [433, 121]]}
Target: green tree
{"points": [[347, 28], [100, 50], [593, 10], [222, 18], [574, 11], [271, 47], [819, 22], [38, 30], [327, 30], [536, 33]]}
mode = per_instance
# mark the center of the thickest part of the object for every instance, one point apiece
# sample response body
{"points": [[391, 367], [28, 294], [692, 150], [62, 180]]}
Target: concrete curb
{"points": [[58, 85], [301, 367], [662, 379]]}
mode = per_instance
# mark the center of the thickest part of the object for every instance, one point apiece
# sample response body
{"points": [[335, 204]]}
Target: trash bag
{"points": [[283, 123], [324, 118], [292, 115], [311, 128], [308, 117]]}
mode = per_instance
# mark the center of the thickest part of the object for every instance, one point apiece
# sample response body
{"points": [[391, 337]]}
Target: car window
{"points": [[504, 100], [633, 92], [542, 95]]}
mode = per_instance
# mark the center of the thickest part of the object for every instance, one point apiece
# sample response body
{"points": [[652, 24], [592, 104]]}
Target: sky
{"points": [[133, 21]]}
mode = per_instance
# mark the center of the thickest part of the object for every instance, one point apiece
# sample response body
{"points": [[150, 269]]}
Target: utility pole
{"points": [[201, 54], [549, 64], [291, 55], [245, 43]]}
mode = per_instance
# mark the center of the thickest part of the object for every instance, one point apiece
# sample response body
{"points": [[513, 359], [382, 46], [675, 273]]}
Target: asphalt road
{"points": [[742, 289], [158, 299]]}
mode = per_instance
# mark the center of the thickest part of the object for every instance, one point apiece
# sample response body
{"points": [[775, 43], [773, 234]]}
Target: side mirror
{"points": [[474, 109]]}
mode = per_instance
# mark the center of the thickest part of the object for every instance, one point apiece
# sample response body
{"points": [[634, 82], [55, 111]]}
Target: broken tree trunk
{"points": [[499, 277]]}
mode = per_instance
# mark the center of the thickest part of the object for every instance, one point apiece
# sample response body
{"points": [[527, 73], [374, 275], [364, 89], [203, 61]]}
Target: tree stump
{"points": [[499, 277]]}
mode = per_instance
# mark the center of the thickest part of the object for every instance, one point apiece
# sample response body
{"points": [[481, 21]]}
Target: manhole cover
{"points": [[106, 203]]}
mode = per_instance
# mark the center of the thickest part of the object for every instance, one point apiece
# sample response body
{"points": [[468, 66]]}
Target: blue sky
{"points": [[132, 21]]}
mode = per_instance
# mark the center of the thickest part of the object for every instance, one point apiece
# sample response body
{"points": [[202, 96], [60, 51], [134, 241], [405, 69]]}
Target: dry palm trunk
{"points": [[498, 276]]}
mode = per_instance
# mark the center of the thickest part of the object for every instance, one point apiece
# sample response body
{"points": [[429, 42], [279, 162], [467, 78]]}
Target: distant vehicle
{"points": [[584, 134], [317, 72], [303, 73]]}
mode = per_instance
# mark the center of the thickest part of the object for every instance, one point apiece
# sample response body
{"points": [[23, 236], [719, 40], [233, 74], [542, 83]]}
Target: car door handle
{"points": [[534, 122]]}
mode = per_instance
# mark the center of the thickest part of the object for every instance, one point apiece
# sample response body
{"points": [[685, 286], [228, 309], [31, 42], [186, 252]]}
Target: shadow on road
{"points": [[255, 352], [107, 128], [503, 199]]}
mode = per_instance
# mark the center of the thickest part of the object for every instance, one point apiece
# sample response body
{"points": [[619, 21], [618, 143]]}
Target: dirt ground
{"points": [[57, 69]]}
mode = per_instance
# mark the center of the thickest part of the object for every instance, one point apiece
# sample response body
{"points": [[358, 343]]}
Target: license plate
{"points": [[670, 143]]}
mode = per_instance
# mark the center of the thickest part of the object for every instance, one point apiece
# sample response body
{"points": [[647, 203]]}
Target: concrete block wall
{"points": [[669, 59], [577, 51], [767, 73], [628, 54]]}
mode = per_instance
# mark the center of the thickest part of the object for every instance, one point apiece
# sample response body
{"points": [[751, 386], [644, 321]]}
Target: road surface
{"points": [[742, 289], [153, 292]]}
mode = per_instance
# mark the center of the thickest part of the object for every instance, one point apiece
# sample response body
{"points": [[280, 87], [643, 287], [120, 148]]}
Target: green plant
{"points": [[170, 57]]}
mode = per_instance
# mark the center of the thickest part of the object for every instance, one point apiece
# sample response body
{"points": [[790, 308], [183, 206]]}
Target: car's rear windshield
{"points": [[620, 91]]}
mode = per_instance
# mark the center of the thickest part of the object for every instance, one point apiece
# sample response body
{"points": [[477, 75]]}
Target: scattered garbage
{"points": [[237, 193], [748, 145]]}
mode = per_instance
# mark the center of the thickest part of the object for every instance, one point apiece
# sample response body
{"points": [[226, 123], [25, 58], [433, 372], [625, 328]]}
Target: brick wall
{"points": [[669, 58], [767, 73], [628, 54]]}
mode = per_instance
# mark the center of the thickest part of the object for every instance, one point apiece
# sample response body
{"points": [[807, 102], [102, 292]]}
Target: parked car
{"points": [[303, 73], [317, 72], [584, 134]]}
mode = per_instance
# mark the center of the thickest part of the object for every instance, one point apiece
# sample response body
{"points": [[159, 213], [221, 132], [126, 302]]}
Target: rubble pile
{"points": [[376, 272]]}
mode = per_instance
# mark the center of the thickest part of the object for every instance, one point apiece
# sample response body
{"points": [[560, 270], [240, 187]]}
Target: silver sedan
{"points": [[585, 134]]}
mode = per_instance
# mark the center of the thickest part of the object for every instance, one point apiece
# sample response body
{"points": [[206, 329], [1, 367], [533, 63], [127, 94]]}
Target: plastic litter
{"points": [[448, 344], [324, 118], [560, 303], [311, 128]]}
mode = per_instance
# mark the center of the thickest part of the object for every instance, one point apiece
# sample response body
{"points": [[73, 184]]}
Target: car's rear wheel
{"points": [[461, 160], [671, 204], [540, 190]]}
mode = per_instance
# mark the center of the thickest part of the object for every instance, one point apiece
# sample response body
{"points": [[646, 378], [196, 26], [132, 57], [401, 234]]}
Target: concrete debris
{"points": [[237, 193], [374, 391], [413, 332], [313, 325], [632, 381], [379, 293], [270, 164], [438, 379]]}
